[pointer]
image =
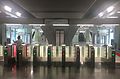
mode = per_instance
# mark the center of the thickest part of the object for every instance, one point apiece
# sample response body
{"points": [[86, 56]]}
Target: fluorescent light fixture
{"points": [[118, 11], [7, 8], [89, 25], [101, 14], [113, 17], [109, 25], [13, 24], [10, 14], [18, 14], [37, 25], [109, 9], [112, 13], [61, 25]]}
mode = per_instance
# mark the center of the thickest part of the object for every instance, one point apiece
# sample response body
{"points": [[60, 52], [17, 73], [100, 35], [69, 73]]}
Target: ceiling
{"points": [[14, 7], [59, 9], [56, 8]]}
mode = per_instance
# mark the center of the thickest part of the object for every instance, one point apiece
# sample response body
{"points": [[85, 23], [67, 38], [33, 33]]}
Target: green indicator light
{"points": [[34, 53], [48, 53], [113, 54], [5, 53]]}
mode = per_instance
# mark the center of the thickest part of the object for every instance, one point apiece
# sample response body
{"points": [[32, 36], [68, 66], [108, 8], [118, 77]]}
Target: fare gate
{"points": [[77, 60], [63, 56], [49, 62]]}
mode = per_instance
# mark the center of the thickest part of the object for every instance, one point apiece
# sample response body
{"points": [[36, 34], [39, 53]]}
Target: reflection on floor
{"points": [[42, 72]]}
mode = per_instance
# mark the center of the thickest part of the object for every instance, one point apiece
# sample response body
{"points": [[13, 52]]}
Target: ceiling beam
{"points": [[21, 21], [95, 21], [70, 21]]}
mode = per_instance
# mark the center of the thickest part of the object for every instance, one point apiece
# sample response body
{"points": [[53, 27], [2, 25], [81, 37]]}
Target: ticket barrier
{"points": [[77, 56], [90, 59], [26, 53], [43, 54], [97, 54], [10, 55], [63, 56], [20, 55], [56, 55], [1, 54], [108, 56], [70, 55], [49, 54], [117, 57], [35, 58], [113, 58], [14, 54]]}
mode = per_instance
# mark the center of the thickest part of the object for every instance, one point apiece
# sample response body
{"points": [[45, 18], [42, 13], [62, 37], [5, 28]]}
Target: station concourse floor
{"points": [[43, 72]]}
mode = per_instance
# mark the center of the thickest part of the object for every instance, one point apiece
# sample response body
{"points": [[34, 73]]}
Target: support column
{"points": [[117, 37], [2, 34]]}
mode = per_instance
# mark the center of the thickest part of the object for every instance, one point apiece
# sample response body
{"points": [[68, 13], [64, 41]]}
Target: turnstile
{"points": [[49, 54], [90, 59], [77, 56], [108, 56], [1, 54], [63, 56]]}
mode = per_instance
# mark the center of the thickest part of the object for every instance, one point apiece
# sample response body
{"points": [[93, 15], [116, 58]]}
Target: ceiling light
{"points": [[18, 14], [118, 12], [13, 24], [109, 9], [109, 25], [113, 17], [0, 11], [60, 24], [89, 25], [7, 8], [101, 14], [11, 15], [112, 13], [37, 25]]}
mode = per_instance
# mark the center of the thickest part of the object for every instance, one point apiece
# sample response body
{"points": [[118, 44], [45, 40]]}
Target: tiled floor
{"points": [[41, 72]]}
